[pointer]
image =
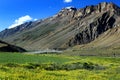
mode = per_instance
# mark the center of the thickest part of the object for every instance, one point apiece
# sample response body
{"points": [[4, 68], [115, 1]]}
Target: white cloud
{"points": [[35, 19], [20, 21], [67, 1]]}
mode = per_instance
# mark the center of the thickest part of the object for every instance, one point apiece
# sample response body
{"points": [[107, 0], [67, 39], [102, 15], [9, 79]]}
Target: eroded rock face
{"points": [[94, 29], [99, 25]]}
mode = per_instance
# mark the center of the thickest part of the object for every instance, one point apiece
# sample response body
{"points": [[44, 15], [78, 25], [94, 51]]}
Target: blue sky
{"points": [[13, 12]]}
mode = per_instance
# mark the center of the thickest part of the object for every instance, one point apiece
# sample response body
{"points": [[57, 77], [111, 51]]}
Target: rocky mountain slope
{"points": [[96, 24], [8, 32], [5, 47]]}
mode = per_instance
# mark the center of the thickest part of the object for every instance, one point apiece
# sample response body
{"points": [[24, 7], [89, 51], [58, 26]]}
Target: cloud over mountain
{"points": [[67, 1], [20, 21]]}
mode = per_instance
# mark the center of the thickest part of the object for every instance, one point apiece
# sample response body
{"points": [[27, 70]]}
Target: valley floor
{"points": [[17, 66]]}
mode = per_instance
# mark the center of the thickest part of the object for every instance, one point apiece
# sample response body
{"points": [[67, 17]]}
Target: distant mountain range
{"points": [[91, 26]]}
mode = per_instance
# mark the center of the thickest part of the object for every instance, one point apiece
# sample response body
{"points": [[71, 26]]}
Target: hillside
{"points": [[5, 47], [97, 25]]}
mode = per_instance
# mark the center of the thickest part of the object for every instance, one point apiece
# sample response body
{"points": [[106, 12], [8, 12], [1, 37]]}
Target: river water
{"points": [[44, 51]]}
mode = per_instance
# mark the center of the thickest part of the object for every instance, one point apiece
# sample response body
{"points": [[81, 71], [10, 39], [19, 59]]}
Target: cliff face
{"points": [[94, 29], [68, 28], [95, 20]]}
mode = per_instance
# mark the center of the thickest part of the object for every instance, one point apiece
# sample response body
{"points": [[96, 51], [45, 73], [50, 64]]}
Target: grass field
{"points": [[103, 52], [17, 66]]}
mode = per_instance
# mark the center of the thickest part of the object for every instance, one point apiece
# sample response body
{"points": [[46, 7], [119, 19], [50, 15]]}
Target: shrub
{"points": [[4, 68], [12, 65], [88, 66], [32, 66]]}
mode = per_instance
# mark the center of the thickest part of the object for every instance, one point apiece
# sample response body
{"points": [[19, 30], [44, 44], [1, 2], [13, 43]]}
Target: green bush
{"points": [[74, 66], [32, 66], [12, 65], [4, 68], [88, 66]]}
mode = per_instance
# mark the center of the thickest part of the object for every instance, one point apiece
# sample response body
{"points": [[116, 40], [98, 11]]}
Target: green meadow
{"points": [[19, 66]]}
